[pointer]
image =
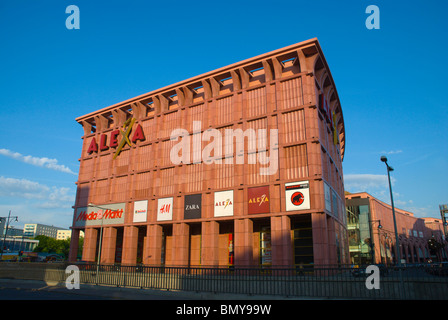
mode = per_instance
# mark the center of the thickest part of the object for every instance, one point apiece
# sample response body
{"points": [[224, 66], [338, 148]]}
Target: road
{"points": [[11, 289], [14, 289]]}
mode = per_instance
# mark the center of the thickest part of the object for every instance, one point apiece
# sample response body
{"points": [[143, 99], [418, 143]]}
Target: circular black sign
{"points": [[297, 198]]}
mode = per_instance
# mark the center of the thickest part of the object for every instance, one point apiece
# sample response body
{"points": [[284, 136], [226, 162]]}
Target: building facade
{"points": [[32, 230], [241, 166], [15, 245], [13, 232], [66, 234], [372, 234]]}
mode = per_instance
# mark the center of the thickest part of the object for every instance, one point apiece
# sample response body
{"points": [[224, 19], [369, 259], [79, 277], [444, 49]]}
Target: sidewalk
{"points": [[94, 292]]}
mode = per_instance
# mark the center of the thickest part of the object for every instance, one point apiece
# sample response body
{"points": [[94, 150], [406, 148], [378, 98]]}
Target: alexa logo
{"points": [[224, 203], [258, 200]]}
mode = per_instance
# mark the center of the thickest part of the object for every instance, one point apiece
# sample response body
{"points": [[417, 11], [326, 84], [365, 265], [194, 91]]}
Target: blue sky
{"points": [[391, 83]]}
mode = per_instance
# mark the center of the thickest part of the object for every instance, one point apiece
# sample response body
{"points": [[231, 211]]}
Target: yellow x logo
{"points": [[127, 126]]}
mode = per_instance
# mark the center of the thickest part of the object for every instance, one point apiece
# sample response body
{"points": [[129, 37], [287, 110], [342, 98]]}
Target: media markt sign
{"points": [[100, 215], [114, 141]]}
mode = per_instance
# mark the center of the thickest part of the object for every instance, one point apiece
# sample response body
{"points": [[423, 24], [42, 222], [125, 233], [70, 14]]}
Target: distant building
{"points": [[2, 226], [35, 229], [66, 234], [16, 244], [13, 232], [372, 236]]}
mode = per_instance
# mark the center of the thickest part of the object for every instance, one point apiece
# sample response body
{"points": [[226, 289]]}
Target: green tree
{"points": [[51, 245]]}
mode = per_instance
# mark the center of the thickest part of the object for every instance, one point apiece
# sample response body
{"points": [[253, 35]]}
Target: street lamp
{"points": [[101, 234], [397, 245], [372, 244]]}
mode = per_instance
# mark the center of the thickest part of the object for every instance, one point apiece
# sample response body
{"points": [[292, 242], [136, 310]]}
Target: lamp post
{"points": [[397, 244], [443, 214], [372, 242], [101, 237]]}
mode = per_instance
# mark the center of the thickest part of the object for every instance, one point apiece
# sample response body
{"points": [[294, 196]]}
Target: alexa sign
{"points": [[114, 141], [223, 203], [258, 200]]}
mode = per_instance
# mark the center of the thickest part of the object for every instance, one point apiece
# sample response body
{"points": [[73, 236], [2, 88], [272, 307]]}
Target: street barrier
{"points": [[406, 283]]}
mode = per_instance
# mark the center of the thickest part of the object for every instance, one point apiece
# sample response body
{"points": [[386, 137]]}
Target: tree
{"points": [[51, 245]]}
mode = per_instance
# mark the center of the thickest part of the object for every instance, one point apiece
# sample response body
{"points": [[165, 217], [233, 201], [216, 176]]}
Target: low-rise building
{"points": [[372, 233], [66, 234], [32, 230]]}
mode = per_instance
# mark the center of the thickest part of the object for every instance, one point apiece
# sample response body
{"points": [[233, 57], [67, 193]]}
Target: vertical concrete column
{"points": [[274, 162], [154, 245], [320, 238], [308, 86], [243, 245], [239, 107], [275, 192], [331, 238], [312, 132], [108, 245], [281, 243], [90, 239], [407, 252], [130, 241], [145, 253], [181, 237], [210, 244], [74, 245]]}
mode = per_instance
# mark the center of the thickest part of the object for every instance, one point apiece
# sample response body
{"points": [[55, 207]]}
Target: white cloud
{"points": [[27, 213], [392, 152], [34, 202], [44, 196], [43, 162], [378, 186], [375, 184], [366, 182], [22, 188]]}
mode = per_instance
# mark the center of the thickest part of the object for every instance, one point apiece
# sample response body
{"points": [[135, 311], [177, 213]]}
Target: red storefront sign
{"points": [[114, 141], [94, 216], [98, 215], [258, 200]]}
